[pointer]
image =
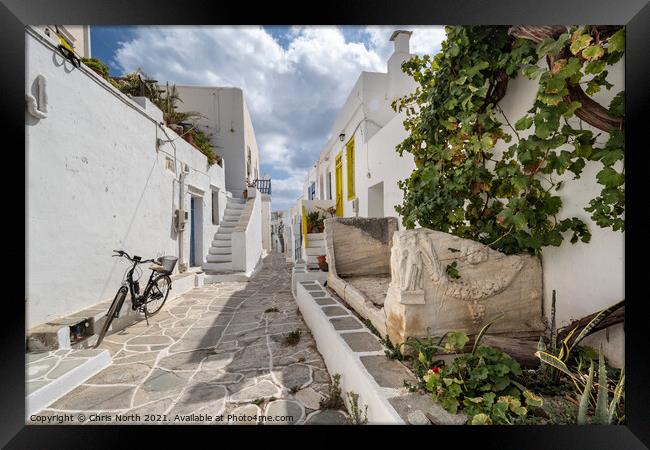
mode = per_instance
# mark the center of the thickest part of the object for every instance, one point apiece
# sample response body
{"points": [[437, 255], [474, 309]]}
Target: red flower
{"points": [[436, 369]]}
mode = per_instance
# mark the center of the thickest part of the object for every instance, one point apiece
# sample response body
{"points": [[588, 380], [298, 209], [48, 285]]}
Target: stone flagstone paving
{"points": [[215, 351]]}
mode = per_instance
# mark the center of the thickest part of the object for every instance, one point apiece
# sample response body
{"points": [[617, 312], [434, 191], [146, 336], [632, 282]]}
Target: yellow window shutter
{"points": [[349, 157]]}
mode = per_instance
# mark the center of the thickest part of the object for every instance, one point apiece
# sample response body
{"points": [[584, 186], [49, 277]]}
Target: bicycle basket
{"points": [[168, 262]]}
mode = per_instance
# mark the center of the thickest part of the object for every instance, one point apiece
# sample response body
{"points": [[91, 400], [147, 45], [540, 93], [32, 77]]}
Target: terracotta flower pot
{"points": [[322, 263]]}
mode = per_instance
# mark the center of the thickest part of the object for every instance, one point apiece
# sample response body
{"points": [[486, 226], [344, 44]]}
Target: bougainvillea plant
{"points": [[510, 199]]}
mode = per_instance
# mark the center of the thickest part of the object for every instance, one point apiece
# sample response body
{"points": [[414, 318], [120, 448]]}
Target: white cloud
{"points": [[293, 91]]}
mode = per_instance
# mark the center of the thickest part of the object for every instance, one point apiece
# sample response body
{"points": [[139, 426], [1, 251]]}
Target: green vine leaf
{"points": [[617, 42], [617, 105], [452, 270], [579, 42], [593, 52]]}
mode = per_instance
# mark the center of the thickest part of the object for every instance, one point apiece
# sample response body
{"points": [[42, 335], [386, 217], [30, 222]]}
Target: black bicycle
{"points": [[155, 293]]}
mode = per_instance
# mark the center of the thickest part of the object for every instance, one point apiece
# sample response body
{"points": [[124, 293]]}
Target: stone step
{"points": [[237, 200], [65, 371], [237, 206], [315, 236], [219, 258], [315, 251], [222, 236], [217, 267], [220, 250], [226, 226], [221, 243]]}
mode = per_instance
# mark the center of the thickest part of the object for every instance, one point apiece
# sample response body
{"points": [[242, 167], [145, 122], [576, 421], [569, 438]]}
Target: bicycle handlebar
{"points": [[124, 254]]}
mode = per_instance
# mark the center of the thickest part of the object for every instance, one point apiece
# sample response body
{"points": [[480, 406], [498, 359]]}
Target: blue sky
{"points": [[295, 79]]}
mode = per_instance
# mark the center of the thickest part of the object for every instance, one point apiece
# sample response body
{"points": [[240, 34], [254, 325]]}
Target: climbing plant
{"points": [[510, 199]]}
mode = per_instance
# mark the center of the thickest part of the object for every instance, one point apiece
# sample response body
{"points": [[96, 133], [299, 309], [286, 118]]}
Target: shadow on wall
{"points": [[103, 293]]}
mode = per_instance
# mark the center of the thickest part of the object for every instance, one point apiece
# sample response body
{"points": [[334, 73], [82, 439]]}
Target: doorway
{"points": [[196, 231], [376, 200]]}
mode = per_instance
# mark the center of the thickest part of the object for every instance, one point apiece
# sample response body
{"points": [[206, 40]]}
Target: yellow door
{"points": [[339, 185], [304, 226]]}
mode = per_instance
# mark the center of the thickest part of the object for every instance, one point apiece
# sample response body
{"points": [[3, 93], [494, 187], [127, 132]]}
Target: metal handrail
{"points": [[264, 186]]}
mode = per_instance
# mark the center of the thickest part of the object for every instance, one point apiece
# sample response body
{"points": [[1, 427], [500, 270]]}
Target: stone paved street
{"points": [[217, 350]]}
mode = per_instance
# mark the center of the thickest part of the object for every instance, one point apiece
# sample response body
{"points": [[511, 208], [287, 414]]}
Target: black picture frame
{"points": [[635, 14]]}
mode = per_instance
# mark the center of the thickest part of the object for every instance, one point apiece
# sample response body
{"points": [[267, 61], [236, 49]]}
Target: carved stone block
{"points": [[490, 282]]}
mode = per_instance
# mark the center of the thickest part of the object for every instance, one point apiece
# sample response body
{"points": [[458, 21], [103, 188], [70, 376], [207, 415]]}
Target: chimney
{"points": [[401, 40], [399, 84]]}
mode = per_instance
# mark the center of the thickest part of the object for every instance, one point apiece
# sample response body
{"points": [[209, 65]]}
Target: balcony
{"points": [[264, 186]]}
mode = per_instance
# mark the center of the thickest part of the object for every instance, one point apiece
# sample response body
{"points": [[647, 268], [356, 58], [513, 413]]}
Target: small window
{"points": [[169, 163], [215, 207], [349, 160]]}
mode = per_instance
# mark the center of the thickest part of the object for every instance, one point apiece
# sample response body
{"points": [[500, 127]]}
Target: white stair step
{"points": [[217, 267], [219, 258], [236, 200], [94, 360], [312, 259], [238, 206], [315, 236], [227, 226], [221, 243], [220, 250], [222, 236], [315, 251]]}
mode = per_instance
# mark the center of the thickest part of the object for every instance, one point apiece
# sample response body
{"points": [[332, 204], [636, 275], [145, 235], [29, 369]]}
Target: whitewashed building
{"points": [[103, 172], [358, 167], [229, 128]]}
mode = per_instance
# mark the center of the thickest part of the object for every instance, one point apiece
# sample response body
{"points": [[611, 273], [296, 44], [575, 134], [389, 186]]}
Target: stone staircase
{"points": [[219, 257], [315, 247]]}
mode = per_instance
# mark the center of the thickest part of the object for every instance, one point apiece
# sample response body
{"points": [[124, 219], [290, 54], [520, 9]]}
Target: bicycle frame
{"points": [[136, 298]]}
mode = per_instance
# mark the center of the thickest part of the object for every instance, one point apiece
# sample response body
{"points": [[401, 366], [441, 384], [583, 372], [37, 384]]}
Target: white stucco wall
{"points": [[95, 182], [586, 276], [228, 124], [254, 236], [266, 222]]}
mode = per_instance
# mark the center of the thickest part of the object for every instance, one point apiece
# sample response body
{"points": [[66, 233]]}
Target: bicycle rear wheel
{"points": [[115, 308], [157, 294]]}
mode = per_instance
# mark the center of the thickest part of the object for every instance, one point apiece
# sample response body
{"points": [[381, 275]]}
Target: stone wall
{"points": [[360, 246]]}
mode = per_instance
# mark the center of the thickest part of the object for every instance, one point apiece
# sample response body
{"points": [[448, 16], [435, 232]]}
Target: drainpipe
{"points": [[181, 219]]}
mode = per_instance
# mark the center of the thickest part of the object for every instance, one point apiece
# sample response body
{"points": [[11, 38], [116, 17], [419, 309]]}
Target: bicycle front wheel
{"points": [[157, 294], [115, 308]]}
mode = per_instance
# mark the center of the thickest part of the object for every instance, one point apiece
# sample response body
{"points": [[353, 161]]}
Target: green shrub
{"points": [[481, 385], [96, 65]]}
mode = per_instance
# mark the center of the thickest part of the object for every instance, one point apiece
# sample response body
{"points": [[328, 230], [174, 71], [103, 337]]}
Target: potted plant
{"points": [[315, 221], [322, 263]]}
